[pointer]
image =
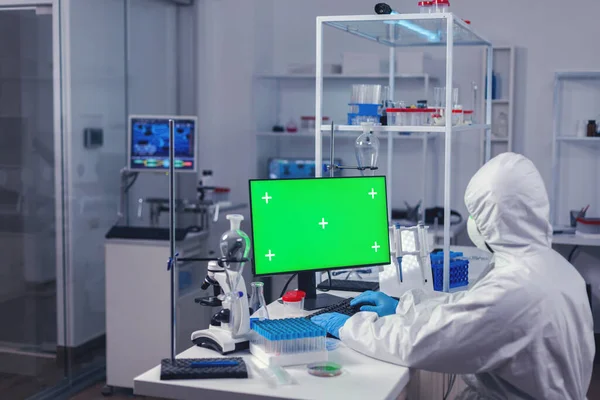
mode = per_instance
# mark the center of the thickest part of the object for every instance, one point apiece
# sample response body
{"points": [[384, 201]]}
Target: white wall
{"points": [[266, 35]]}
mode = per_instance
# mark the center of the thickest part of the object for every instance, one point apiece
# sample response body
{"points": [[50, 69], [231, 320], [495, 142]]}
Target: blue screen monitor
{"points": [[148, 143]]}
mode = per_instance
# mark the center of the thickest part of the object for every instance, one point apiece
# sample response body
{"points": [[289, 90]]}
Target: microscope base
{"points": [[219, 340]]}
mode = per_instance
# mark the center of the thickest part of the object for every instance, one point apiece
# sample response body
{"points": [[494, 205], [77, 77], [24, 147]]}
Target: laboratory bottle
{"points": [[258, 306], [591, 128], [367, 150]]}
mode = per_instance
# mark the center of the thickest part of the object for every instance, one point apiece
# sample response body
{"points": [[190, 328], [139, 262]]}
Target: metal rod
{"points": [[331, 150], [488, 105], [172, 253], [448, 149], [391, 96], [318, 101]]}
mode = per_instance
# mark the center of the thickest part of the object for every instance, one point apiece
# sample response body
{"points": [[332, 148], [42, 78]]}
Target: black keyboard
{"points": [[343, 307], [348, 286]]}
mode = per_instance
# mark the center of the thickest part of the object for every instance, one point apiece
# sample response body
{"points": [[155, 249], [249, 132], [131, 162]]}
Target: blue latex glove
{"points": [[377, 302], [332, 322]]}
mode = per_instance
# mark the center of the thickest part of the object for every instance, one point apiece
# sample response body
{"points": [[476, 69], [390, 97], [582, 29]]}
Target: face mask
{"points": [[476, 236]]}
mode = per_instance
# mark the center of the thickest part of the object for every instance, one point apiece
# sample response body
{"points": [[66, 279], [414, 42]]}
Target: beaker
{"points": [[367, 150], [258, 306]]}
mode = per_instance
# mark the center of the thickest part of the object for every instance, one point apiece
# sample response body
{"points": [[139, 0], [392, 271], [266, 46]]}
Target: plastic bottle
{"points": [[258, 306]]}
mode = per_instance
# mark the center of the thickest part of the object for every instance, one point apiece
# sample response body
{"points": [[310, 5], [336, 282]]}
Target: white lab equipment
{"points": [[229, 328], [411, 266]]}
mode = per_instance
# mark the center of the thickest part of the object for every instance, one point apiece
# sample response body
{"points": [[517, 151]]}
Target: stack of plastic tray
{"points": [[360, 113], [459, 270], [289, 341]]}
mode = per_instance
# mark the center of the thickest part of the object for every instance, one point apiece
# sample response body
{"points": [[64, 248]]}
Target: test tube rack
{"points": [[289, 341]]}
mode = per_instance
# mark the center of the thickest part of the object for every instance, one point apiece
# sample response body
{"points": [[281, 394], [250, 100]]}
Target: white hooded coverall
{"points": [[524, 330]]}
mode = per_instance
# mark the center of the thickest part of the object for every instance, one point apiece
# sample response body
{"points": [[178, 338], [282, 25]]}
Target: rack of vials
{"points": [[290, 341]]}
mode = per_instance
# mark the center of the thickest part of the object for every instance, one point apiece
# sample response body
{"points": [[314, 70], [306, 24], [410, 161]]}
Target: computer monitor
{"points": [[148, 143], [309, 225]]}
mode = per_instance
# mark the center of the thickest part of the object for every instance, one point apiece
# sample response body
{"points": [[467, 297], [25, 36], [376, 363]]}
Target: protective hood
{"points": [[509, 204]]}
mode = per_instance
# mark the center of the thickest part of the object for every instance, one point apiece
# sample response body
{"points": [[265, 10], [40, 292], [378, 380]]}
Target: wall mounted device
{"points": [[148, 143]]}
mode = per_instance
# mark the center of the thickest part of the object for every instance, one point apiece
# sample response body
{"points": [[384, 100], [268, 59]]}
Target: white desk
{"points": [[363, 378], [575, 240]]}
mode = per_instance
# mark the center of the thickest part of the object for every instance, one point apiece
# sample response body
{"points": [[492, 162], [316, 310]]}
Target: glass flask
{"points": [[258, 306], [235, 246], [367, 150]]}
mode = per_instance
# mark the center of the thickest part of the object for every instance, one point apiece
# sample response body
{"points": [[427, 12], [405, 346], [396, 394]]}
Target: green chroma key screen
{"points": [[320, 223]]}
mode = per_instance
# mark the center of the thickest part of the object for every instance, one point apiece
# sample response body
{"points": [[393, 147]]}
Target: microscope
{"points": [[230, 327]]}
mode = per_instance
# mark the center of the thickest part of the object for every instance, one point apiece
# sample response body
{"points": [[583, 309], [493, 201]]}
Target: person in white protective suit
{"points": [[523, 331]]}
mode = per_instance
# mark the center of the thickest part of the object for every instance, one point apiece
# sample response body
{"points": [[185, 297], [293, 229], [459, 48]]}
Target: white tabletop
{"points": [[362, 378], [386, 381], [576, 240]]}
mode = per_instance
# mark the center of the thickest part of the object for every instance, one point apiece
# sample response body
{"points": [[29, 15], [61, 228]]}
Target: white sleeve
{"points": [[460, 333]]}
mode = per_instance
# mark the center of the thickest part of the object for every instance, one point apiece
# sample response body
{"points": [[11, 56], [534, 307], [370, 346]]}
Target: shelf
{"points": [[578, 139], [343, 76], [500, 101], [578, 75], [409, 129], [499, 140], [400, 30], [344, 135]]}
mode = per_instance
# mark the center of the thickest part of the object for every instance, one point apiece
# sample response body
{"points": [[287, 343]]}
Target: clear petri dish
{"points": [[324, 369]]}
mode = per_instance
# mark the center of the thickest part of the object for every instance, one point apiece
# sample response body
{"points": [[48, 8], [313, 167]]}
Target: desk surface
{"points": [[385, 381], [363, 377], [576, 240]]}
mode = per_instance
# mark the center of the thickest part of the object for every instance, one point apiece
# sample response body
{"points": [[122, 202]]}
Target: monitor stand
{"points": [[308, 284]]}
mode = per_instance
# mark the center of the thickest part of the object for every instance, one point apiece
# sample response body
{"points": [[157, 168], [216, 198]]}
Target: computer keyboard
{"points": [[348, 285], [343, 307]]}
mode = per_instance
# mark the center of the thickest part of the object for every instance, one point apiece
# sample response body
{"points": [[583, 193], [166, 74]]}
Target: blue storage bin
{"points": [[363, 110], [459, 270]]}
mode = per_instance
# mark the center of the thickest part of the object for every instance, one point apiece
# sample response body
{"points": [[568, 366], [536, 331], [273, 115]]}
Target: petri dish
{"points": [[324, 369]]}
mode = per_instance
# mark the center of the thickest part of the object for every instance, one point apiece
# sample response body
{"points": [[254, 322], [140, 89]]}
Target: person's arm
{"points": [[464, 333]]}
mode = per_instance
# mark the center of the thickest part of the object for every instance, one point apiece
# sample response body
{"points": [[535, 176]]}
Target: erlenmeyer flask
{"points": [[258, 307], [367, 150]]}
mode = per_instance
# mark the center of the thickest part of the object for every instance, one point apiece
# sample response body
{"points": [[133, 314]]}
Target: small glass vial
{"points": [[442, 6], [258, 307], [426, 7], [468, 117]]}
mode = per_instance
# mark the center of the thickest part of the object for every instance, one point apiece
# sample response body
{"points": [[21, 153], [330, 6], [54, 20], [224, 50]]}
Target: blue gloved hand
{"points": [[332, 322], [377, 302]]}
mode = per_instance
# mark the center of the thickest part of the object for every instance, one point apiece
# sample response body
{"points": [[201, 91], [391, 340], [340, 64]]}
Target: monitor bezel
{"points": [[319, 269], [167, 117]]}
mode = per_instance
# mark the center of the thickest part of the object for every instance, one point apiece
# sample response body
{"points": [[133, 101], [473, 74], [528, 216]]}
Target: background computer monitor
{"points": [[148, 143], [288, 168], [309, 225]]}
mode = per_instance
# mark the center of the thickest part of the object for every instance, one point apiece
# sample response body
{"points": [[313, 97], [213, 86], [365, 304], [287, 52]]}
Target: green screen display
{"points": [[317, 224]]}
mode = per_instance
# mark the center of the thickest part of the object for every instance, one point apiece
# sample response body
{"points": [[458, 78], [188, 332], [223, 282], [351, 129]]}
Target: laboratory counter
{"points": [[385, 381], [362, 378]]}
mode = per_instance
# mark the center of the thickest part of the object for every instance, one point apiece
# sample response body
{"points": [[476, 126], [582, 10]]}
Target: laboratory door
{"points": [[30, 200]]}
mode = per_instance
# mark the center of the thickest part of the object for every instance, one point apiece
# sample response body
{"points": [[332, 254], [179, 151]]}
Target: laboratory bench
{"points": [[362, 377], [385, 381]]}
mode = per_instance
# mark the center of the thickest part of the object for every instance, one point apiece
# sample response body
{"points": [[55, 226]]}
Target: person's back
{"points": [[524, 330]]}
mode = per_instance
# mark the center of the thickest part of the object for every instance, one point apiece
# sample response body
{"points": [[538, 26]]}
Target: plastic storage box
{"points": [[588, 226], [459, 270]]}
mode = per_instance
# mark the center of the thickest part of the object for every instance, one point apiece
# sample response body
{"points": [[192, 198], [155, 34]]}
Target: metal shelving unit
{"points": [[561, 139], [410, 30], [508, 99]]}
